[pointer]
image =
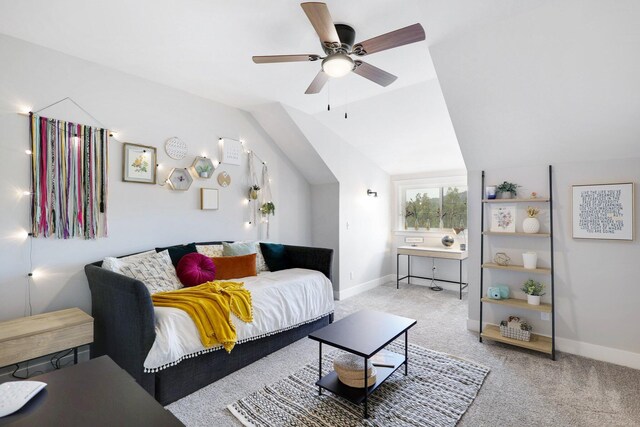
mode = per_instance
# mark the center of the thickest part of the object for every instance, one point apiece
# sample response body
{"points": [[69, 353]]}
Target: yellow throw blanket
{"points": [[210, 306]]}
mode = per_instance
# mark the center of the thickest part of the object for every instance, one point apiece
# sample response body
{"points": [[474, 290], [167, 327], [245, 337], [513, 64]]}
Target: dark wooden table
{"points": [[364, 333], [93, 393]]}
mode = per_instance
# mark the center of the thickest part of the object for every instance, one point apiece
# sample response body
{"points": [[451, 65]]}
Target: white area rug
{"points": [[437, 392]]}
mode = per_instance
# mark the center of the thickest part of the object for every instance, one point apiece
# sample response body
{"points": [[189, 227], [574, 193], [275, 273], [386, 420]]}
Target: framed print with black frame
{"points": [[138, 163]]}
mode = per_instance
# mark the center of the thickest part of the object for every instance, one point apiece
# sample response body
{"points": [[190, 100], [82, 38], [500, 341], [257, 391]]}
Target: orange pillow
{"points": [[235, 267]]}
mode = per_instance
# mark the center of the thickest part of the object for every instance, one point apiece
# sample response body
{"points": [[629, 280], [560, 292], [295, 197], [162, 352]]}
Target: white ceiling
{"points": [[205, 47]]}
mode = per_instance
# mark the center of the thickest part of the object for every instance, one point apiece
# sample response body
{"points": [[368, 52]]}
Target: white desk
{"points": [[430, 252]]}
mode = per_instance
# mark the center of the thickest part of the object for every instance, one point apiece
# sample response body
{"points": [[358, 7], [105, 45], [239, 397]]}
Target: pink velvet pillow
{"points": [[195, 269]]}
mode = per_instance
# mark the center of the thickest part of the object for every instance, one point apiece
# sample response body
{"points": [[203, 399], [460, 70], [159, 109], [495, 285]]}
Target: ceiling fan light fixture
{"points": [[337, 65]]}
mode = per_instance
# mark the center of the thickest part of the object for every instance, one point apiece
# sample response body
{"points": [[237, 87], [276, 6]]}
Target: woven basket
{"points": [[515, 333]]}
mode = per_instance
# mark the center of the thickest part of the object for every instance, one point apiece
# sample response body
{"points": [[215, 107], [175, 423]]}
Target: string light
{"points": [[28, 152]]}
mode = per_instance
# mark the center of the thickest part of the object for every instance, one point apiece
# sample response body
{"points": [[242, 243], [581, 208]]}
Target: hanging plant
{"points": [[268, 208], [254, 192]]}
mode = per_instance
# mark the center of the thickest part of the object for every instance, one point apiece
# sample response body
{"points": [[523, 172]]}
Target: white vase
{"points": [[505, 195], [531, 225], [533, 299], [530, 260]]}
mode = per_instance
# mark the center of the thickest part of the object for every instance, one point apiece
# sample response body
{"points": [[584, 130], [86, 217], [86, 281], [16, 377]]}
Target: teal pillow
{"points": [[275, 256], [239, 248]]}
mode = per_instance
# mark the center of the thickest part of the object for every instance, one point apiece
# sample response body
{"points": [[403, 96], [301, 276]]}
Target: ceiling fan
{"points": [[337, 41]]}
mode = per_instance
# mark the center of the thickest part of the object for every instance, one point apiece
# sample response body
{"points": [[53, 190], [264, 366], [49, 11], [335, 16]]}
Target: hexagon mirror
{"points": [[202, 167], [179, 179]]}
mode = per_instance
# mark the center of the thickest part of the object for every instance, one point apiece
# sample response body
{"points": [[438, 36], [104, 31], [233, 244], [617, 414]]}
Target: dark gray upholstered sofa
{"points": [[124, 330]]}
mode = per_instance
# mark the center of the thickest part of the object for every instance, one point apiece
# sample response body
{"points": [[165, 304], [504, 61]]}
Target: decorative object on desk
{"points": [[254, 192], [490, 192], [447, 241], [507, 190], [202, 167], [139, 163], [69, 179], [530, 260], [175, 148], [453, 384], [498, 292], [503, 219], [516, 328], [179, 179], [531, 225], [350, 370], [224, 179], [534, 291], [603, 211], [209, 199], [414, 239], [502, 259], [231, 151], [534, 195], [460, 232]]}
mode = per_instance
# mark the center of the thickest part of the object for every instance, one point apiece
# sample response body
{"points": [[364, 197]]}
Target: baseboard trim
{"points": [[41, 365], [588, 350], [363, 287]]}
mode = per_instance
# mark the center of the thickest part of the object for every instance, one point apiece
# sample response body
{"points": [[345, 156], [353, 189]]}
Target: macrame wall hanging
{"points": [[267, 208], [69, 179], [254, 190]]}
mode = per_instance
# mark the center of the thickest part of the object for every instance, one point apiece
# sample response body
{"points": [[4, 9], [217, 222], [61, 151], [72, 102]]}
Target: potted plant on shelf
{"points": [[534, 291], [507, 190], [204, 171], [253, 191], [531, 225]]}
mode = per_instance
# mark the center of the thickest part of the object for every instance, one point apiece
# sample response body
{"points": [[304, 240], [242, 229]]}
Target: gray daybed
{"points": [[124, 329]]}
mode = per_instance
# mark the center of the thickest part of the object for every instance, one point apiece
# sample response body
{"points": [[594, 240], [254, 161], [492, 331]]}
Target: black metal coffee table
{"points": [[364, 333]]}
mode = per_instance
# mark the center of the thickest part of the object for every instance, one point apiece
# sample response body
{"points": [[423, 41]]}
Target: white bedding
{"points": [[281, 300]]}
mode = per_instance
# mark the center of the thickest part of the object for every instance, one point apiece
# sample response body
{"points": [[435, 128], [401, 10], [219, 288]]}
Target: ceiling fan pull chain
{"points": [[329, 96], [346, 105]]}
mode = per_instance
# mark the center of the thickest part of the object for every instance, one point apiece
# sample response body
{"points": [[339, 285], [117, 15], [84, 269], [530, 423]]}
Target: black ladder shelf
{"points": [[539, 343]]}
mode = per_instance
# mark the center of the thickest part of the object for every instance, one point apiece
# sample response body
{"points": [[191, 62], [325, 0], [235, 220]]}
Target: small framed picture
{"points": [[138, 163], [603, 211], [208, 199], [503, 219], [231, 151]]}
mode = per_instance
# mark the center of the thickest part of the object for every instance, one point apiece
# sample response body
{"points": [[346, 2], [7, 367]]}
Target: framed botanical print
{"points": [[208, 199], [503, 219], [138, 163], [603, 211]]}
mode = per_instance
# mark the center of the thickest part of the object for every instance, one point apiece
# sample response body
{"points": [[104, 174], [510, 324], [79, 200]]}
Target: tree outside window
{"points": [[435, 208]]}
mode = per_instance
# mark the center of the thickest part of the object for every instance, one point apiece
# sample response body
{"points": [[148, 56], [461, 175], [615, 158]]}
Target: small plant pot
{"points": [[533, 299], [204, 174], [253, 194], [505, 195], [530, 260]]}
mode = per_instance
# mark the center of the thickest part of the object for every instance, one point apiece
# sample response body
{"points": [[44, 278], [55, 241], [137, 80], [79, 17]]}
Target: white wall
{"points": [[325, 226], [140, 216], [596, 290], [364, 221]]}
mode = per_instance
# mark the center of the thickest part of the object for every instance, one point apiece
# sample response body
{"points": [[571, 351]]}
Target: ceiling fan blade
{"points": [[318, 14], [284, 58], [374, 74], [318, 83], [411, 34]]}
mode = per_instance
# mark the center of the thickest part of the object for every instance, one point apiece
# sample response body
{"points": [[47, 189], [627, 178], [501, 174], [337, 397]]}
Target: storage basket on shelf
{"points": [[516, 328], [350, 370]]}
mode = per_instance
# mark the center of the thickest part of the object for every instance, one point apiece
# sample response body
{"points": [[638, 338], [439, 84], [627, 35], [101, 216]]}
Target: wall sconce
{"points": [[372, 193]]}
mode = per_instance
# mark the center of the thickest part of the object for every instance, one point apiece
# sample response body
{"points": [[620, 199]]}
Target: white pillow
{"points": [[114, 264], [155, 270], [210, 250], [261, 264]]}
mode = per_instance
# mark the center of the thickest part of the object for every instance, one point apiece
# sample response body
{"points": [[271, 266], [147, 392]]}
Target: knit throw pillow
{"points": [[155, 270], [195, 269]]}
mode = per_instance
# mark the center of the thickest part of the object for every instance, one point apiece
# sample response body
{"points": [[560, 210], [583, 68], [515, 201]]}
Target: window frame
{"points": [[401, 187]]}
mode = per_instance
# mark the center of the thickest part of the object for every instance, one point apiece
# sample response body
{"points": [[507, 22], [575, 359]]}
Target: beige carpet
{"points": [[523, 388]]}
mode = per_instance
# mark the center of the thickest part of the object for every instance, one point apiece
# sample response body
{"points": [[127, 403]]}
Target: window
{"points": [[428, 207]]}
